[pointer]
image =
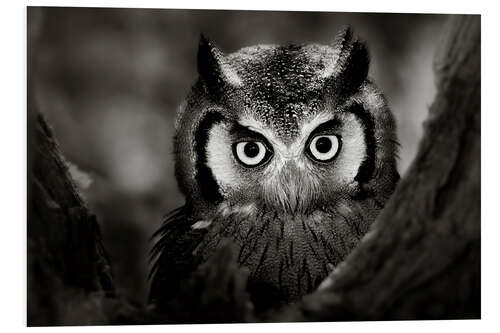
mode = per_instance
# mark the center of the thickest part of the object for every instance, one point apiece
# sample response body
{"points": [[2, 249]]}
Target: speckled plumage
{"points": [[291, 217]]}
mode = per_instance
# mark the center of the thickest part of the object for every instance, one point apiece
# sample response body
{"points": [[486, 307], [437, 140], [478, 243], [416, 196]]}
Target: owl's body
{"points": [[289, 152]]}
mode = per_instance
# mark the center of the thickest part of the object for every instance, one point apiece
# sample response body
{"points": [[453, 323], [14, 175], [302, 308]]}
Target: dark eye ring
{"points": [[324, 148]]}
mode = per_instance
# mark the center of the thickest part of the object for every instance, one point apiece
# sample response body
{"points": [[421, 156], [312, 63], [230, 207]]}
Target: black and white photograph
{"points": [[214, 166]]}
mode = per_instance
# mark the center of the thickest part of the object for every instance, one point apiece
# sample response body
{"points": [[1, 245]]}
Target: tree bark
{"points": [[66, 257], [420, 260]]}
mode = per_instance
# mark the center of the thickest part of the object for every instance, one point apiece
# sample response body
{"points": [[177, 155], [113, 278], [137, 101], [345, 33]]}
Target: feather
{"points": [[172, 256]]}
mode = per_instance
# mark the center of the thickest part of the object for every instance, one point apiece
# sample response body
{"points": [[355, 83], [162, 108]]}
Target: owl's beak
{"points": [[291, 189]]}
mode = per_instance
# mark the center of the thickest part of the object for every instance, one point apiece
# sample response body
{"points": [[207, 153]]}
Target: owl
{"points": [[289, 151]]}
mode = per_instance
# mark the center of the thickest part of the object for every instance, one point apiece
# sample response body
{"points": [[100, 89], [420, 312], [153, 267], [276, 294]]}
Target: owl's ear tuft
{"points": [[343, 38], [351, 63], [214, 69]]}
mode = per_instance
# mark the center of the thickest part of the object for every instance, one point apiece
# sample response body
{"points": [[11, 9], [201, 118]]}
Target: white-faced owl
{"points": [[287, 150]]}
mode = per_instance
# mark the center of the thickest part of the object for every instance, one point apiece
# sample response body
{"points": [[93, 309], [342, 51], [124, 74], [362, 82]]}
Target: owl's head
{"points": [[290, 128]]}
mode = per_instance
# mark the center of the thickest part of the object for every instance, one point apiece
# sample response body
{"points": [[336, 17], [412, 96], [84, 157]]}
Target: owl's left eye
{"points": [[251, 153], [324, 148]]}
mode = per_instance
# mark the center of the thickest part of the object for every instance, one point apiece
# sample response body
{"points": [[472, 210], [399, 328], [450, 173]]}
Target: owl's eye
{"points": [[324, 148], [251, 153]]}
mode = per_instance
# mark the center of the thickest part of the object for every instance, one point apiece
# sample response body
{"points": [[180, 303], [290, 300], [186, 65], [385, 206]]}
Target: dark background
{"points": [[109, 82]]}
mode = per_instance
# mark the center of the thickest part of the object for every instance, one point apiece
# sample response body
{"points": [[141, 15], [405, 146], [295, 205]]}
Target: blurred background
{"points": [[109, 82]]}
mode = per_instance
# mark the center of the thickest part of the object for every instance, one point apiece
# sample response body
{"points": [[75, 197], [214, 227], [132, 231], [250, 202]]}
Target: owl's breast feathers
{"points": [[287, 255]]}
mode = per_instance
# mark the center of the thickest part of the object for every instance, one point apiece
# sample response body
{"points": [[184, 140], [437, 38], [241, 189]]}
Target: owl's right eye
{"points": [[251, 153]]}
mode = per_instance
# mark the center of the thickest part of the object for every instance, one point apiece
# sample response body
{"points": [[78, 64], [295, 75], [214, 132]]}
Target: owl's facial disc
{"points": [[253, 165]]}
